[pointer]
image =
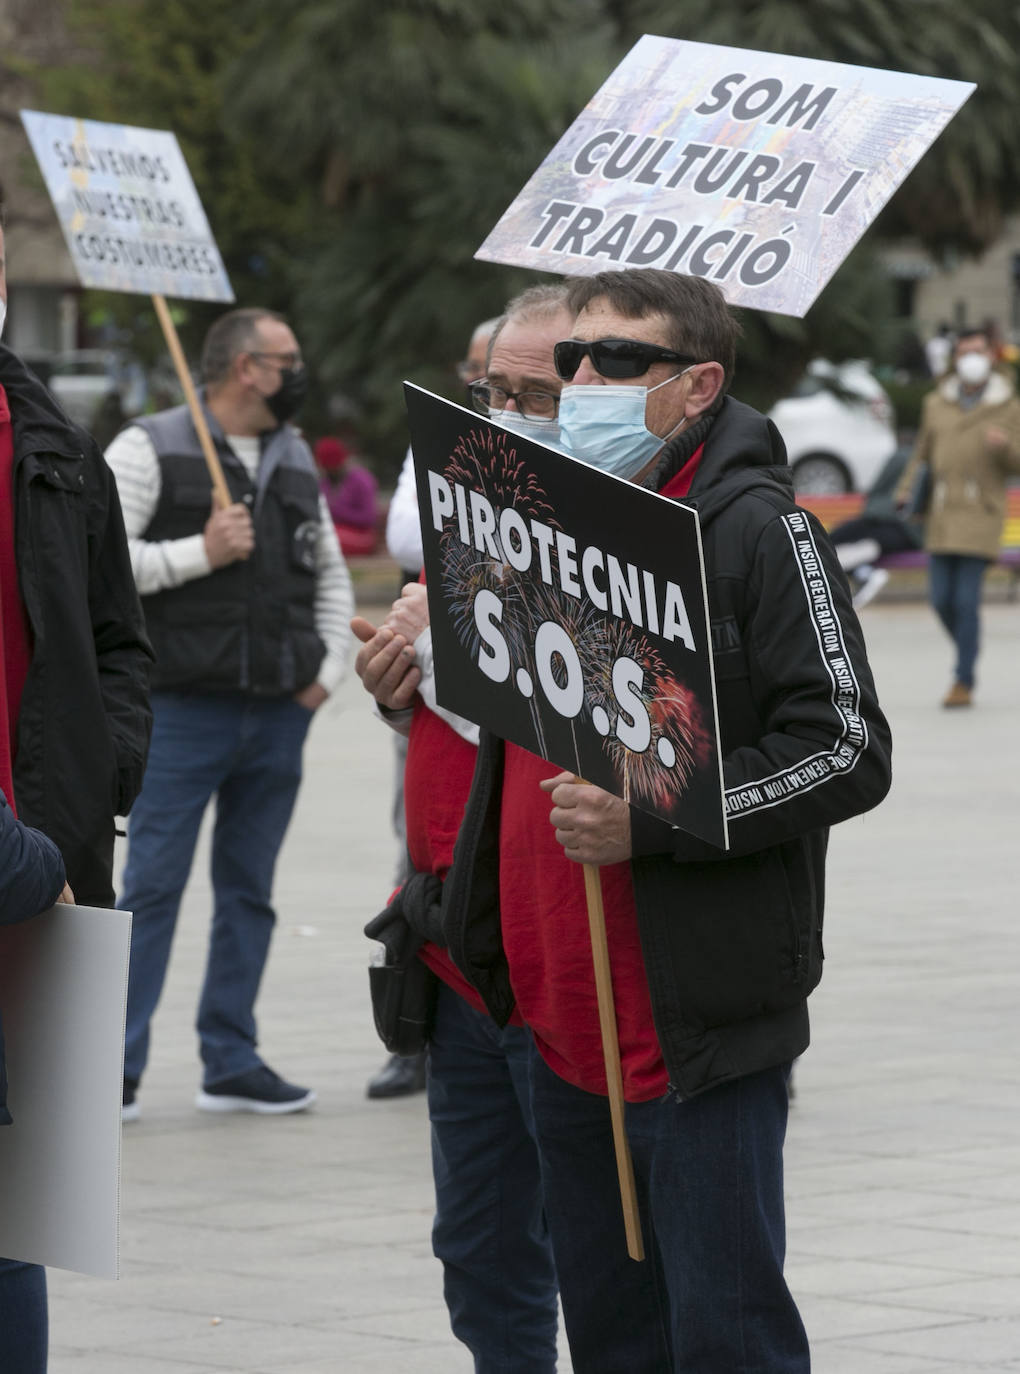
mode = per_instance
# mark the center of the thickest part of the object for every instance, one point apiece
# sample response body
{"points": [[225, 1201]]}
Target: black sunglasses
{"points": [[612, 357]]}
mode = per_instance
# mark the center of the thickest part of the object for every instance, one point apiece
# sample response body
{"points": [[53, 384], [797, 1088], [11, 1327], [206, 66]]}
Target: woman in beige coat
{"points": [[968, 446]]}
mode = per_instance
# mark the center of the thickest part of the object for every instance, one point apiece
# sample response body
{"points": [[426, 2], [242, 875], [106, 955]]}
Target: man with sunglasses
{"points": [[713, 953], [248, 610]]}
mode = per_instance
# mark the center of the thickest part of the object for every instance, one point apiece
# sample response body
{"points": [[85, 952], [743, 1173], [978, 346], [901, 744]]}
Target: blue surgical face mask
{"points": [[605, 426], [543, 431]]}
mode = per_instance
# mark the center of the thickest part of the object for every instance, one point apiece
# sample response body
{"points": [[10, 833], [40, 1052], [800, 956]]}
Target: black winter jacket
{"points": [[84, 723], [731, 940]]}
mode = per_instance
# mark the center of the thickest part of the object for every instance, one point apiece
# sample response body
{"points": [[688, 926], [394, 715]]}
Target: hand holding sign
{"points": [[593, 826], [229, 534]]}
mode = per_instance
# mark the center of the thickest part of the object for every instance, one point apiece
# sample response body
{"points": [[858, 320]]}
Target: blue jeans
{"points": [[710, 1296], [24, 1322], [489, 1231], [954, 584], [246, 751]]}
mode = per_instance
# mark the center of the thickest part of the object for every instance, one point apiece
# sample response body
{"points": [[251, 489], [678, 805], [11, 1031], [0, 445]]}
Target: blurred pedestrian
{"points": [[349, 489], [351, 494], [939, 351], [967, 447], [248, 608], [878, 530]]}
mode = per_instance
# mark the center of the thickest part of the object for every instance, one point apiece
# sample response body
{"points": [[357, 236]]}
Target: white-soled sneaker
{"points": [[259, 1090], [129, 1108]]}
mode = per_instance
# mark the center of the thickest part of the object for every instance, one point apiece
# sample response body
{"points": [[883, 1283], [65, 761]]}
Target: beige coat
{"points": [[967, 504]]}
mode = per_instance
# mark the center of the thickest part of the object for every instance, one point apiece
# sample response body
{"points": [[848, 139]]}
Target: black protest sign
{"points": [[568, 613]]}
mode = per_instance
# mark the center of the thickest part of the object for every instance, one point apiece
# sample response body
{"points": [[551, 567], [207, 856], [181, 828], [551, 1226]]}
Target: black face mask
{"points": [[286, 401]]}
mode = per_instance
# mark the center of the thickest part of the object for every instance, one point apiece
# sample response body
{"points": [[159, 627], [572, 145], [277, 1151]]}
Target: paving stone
{"points": [[309, 1236]]}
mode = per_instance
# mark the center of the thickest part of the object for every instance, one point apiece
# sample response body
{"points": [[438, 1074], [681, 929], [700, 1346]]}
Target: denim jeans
{"points": [[24, 1323], [246, 751], [490, 1230], [954, 584], [710, 1296]]}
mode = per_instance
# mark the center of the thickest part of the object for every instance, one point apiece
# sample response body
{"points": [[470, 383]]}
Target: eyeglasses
{"points": [[290, 362], [612, 357], [533, 405]]}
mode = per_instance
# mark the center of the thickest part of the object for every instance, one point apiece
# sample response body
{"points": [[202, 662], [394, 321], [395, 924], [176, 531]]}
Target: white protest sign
{"points": [[128, 208], [63, 994], [757, 170]]}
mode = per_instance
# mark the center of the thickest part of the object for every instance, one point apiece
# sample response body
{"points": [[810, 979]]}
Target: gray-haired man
{"points": [[490, 1230]]}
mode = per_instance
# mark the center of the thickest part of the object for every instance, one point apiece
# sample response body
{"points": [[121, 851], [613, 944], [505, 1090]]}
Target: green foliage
{"points": [[160, 64], [418, 122], [353, 154]]}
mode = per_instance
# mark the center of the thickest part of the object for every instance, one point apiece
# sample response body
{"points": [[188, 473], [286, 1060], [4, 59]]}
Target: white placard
{"points": [[63, 996], [756, 170], [128, 208]]}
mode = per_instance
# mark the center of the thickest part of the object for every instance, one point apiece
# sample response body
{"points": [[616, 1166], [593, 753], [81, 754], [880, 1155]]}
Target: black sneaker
{"points": [[258, 1090], [129, 1109]]}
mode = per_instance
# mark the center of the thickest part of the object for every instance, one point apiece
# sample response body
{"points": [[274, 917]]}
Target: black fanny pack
{"points": [[403, 988]]}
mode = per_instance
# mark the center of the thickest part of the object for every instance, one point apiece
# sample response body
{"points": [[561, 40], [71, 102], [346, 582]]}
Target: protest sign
{"points": [[133, 221], [757, 170], [63, 995], [128, 208], [569, 613]]}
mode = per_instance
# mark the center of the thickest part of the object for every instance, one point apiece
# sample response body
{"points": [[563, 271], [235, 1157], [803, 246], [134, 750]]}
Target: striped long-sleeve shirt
{"points": [[169, 562]]}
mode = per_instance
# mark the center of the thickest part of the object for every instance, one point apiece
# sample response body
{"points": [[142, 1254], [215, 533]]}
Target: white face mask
{"points": [[973, 368], [542, 431], [3, 314], [605, 426]]}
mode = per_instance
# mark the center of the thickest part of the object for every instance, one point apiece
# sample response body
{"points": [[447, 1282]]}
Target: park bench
{"points": [[834, 510]]}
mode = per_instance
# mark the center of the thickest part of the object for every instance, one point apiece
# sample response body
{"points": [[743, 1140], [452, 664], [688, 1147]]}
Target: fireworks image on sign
{"points": [[486, 461], [679, 743]]}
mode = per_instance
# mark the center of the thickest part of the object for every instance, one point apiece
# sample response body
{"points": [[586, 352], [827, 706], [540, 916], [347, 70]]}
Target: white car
{"points": [[838, 427], [86, 378]]}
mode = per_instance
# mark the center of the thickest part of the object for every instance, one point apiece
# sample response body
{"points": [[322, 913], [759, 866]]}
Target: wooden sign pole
{"points": [[611, 1051], [221, 492]]}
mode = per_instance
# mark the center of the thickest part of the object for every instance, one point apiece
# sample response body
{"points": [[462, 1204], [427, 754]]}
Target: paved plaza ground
{"points": [[300, 1245]]}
